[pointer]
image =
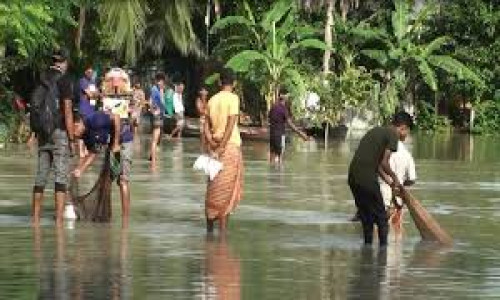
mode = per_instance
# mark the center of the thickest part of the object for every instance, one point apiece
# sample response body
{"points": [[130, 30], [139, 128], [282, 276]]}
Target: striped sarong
{"points": [[225, 190]]}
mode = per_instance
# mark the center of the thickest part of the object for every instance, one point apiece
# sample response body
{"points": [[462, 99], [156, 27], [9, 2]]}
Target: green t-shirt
{"points": [[364, 165], [169, 102]]}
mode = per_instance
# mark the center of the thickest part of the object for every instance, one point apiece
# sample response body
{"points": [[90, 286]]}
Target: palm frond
{"points": [[230, 21], [455, 67], [124, 21], [242, 61], [435, 45], [400, 18], [277, 12], [378, 55], [428, 74]]}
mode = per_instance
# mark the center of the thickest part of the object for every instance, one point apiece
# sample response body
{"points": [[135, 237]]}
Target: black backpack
{"points": [[45, 113]]}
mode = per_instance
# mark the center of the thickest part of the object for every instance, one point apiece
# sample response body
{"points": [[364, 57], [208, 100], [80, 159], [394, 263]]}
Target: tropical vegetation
{"points": [[439, 58]]}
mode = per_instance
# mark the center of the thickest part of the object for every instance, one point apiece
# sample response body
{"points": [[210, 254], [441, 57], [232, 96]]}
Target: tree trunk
{"points": [[79, 33], [328, 36], [436, 104], [217, 9], [344, 9], [327, 133]]}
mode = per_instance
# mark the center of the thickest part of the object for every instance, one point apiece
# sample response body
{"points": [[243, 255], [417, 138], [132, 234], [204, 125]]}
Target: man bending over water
{"points": [[97, 131], [370, 160]]}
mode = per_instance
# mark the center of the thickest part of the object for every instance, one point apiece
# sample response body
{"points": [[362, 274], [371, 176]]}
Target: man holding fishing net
{"points": [[100, 130], [370, 161]]}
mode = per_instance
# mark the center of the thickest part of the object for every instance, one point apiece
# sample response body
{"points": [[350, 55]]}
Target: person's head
{"points": [[79, 126], [226, 78], [179, 87], [160, 79], [60, 59], [203, 92], [283, 95], [403, 123], [89, 72]]}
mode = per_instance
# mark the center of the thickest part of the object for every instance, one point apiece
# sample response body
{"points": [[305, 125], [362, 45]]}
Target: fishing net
{"points": [[95, 205], [429, 228]]}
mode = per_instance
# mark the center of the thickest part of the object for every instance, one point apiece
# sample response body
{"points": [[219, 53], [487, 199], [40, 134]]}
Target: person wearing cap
{"points": [[279, 117], [54, 152]]}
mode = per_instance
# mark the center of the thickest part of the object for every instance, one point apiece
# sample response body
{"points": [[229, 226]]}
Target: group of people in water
{"points": [[379, 170]]}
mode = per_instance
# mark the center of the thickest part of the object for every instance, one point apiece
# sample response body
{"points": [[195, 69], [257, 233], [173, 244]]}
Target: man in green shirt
{"points": [[370, 161]]}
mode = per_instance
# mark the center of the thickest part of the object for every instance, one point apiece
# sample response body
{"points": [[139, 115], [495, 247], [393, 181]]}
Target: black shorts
{"points": [[276, 144]]}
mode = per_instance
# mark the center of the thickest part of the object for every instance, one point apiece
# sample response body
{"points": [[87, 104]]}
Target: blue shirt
{"points": [[99, 130], [156, 98], [85, 108]]}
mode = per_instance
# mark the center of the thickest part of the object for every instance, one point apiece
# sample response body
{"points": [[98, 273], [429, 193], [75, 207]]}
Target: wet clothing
{"points": [[54, 153], [85, 107], [225, 190], [363, 181], [371, 211], [278, 116]]}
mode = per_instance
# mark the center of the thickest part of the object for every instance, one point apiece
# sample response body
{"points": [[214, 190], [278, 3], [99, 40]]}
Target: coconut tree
{"points": [[264, 49], [132, 25], [405, 57]]}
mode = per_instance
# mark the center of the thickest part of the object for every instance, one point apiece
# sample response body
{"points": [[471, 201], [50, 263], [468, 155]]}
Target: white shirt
{"points": [[178, 105], [403, 165]]}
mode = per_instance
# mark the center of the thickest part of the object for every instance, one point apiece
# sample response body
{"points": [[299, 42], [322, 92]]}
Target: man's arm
{"points": [[231, 122], [68, 121], [117, 131], [386, 168], [296, 129], [84, 164]]}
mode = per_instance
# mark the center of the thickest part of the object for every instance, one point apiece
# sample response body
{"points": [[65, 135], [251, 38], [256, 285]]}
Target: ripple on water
{"points": [[291, 217]]}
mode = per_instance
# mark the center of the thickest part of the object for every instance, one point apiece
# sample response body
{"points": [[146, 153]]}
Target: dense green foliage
{"points": [[385, 55]]}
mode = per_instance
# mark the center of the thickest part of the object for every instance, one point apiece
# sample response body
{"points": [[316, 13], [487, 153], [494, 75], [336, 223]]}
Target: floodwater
{"points": [[289, 239]]}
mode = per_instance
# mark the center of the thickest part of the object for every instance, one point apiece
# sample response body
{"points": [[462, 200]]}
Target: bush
{"points": [[428, 120], [487, 119]]}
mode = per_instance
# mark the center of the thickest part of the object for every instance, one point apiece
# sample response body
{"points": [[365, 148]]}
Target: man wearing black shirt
{"points": [[54, 152], [370, 161]]}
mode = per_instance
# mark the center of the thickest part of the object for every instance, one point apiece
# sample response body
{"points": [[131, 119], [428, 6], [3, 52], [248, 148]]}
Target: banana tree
{"points": [[264, 50], [403, 56]]}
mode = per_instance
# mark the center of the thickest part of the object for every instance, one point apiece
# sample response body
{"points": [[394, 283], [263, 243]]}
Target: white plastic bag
{"points": [[69, 212], [208, 165]]}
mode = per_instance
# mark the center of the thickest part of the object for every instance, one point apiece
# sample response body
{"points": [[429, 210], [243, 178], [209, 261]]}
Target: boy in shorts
{"points": [[101, 129]]}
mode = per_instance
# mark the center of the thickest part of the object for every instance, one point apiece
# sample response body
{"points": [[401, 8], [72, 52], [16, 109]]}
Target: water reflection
{"points": [[369, 275], [82, 264], [221, 278]]}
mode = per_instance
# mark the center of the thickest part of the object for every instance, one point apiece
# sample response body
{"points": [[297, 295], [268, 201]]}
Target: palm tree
{"points": [[265, 49], [403, 57], [133, 25]]}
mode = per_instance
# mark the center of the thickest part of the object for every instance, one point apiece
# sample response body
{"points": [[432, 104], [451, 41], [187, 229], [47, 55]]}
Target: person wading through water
{"points": [[224, 142], [52, 121], [97, 131], [279, 117], [370, 161], [158, 110]]}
